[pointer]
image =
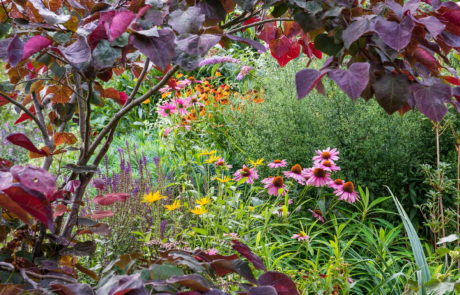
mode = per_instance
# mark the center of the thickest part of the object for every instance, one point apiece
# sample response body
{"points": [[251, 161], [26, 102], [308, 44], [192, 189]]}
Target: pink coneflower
{"points": [[350, 280], [327, 165], [165, 89], [209, 252], [280, 212], [317, 214], [276, 184], [278, 164], [296, 173], [233, 235], [319, 177], [336, 184], [290, 201], [180, 125], [347, 193], [307, 173], [221, 164], [267, 180], [250, 173], [195, 101], [167, 109], [167, 131], [300, 237], [327, 154], [181, 105]]}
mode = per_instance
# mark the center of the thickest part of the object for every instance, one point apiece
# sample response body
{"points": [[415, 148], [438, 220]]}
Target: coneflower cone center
{"points": [[338, 181], [278, 182], [296, 169], [348, 187], [319, 212], [245, 171], [318, 172], [277, 161], [326, 155], [220, 163], [167, 111], [327, 164], [181, 106], [194, 100]]}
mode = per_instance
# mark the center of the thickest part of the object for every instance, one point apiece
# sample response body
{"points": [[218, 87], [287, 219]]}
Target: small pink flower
{"points": [[221, 164], [165, 89], [232, 235], [167, 109], [307, 173], [290, 201], [319, 178], [250, 173], [327, 154], [327, 166], [300, 237], [316, 215], [347, 193], [182, 105], [278, 164], [296, 174], [280, 212], [167, 131], [185, 126], [336, 184], [275, 185], [209, 252], [195, 101], [350, 280]]}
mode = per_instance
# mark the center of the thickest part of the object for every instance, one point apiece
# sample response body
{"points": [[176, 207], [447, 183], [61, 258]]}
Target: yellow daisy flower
{"points": [[198, 211], [206, 153], [153, 197], [212, 159], [251, 209], [174, 206], [259, 162], [225, 179], [204, 201]]}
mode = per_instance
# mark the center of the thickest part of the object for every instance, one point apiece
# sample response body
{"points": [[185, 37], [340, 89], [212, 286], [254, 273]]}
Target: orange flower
{"points": [[191, 79], [210, 116]]}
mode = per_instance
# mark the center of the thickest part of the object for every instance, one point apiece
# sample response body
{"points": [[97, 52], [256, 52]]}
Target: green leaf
{"points": [[164, 272], [242, 180], [105, 55], [326, 45], [200, 231], [442, 250]]}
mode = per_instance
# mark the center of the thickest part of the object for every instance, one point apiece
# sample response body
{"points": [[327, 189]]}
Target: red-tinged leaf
{"points": [[273, 278], [213, 10], [358, 28], [111, 198], [36, 204], [8, 204], [247, 253], [72, 185], [3, 101], [391, 91], [404, 109], [255, 44], [105, 76], [452, 80], [395, 35], [195, 282], [97, 183], [97, 35], [303, 42], [34, 45], [250, 21], [15, 51], [263, 290], [34, 178], [123, 97], [120, 23], [294, 51], [317, 53], [427, 60], [71, 289], [159, 49], [64, 138], [100, 214], [59, 210], [23, 141], [306, 80], [58, 194], [453, 16], [431, 100], [432, 24], [25, 117], [291, 29], [280, 46], [352, 81], [268, 33]]}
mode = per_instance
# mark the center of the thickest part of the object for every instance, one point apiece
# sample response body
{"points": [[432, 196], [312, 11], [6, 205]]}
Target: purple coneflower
{"points": [[275, 185], [347, 193], [167, 109], [300, 237], [336, 184], [327, 165], [278, 164], [317, 214], [250, 173], [182, 105], [319, 177], [295, 173], [280, 212], [327, 154], [221, 164]]}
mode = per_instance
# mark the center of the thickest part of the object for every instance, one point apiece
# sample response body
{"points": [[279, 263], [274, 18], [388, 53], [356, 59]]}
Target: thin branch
{"points": [[27, 279], [25, 110], [43, 277], [139, 81], [233, 21], [259, 23], [129, 107], [87, 138], [38, 109]]}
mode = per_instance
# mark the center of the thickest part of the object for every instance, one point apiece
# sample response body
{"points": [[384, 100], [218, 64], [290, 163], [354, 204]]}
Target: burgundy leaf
{"points": [[411, 6], [35, 203], [391, 91], [34, 45], [396, 7], [263, 290], [213, 9], [111, 198], [427, 60], [15, 51], [273, 278], [197, 45], [280, 46], [358, 28], [23, 141], [8, 204], [72, 185], [293, 52], [97, 35], [255, 44], [395, 35], [353, 81], [71, 289], [306, 80], [97, 183], [195, 282], [35, 178], [247, 253], [222, 267], [450, 39], [431, 99], [123, 97], [78, 52], [100, 214], [160, 50], [59, 210], [132, 284], [243, 269], [433, 25], [120, 23], [6, 180], [86, 248], [188, 21], [268, 33]]}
